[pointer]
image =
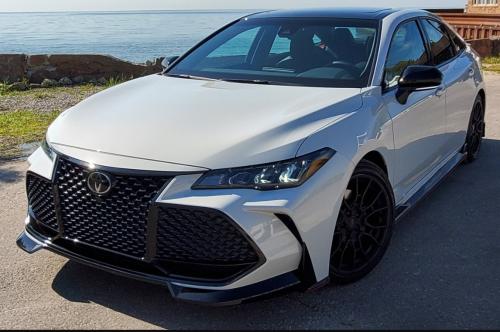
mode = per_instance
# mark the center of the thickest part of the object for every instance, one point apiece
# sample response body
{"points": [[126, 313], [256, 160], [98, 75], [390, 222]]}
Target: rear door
{"points": [[418, 124], [448, 54]]}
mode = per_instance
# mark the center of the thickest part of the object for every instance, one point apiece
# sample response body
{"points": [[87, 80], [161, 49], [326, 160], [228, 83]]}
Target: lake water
{"points": [[134, 36]]}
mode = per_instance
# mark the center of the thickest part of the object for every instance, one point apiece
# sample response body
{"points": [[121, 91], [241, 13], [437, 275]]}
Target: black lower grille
{"points": [[175, 240], [202, 236], [41, 200], [117, 221]]}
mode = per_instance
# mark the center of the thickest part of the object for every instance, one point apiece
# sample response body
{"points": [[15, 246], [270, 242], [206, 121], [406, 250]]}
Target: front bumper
{"points": [[290, 229], [31, 241]]}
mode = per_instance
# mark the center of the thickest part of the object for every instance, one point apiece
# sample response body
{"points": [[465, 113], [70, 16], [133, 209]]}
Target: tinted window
{"points": [[458, 42], [238, 46], [407, 48], [299, 51], [441, 45]]}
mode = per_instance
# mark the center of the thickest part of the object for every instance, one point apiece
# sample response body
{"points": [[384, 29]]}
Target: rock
{"points": [[35, 86], [12, 67], [38, 60], [18, 86], [57, 66], [78, 79], [65, 81], [49, 83], [102, 81], [92, 81]]}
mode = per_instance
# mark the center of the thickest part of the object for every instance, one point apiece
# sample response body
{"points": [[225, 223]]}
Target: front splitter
{"points": [[31, 241]]}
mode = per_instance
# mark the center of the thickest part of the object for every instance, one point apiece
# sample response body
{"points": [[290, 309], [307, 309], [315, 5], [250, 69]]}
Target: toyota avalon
{"points": [[278, 152]]}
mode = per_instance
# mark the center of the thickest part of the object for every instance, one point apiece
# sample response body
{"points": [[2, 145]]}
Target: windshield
{"points": [[318, 52]]}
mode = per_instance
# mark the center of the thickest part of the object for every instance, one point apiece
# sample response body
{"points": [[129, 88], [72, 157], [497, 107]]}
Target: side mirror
{"points": [[168, 61], [417, 78]]}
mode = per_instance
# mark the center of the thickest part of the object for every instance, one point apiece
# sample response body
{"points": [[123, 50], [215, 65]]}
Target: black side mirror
{"points": [[417, 78], [167, 62]]}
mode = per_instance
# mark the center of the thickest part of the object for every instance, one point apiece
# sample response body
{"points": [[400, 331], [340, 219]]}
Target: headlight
{"points": [[47, 149], [279, 175]]}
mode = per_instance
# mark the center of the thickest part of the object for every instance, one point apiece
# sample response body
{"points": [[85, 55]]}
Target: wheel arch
{"points": [[378, 159], [482, 94]]}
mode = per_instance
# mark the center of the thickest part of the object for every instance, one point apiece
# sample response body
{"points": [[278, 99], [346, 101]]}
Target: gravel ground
{"points": [[43, 100], [442, 270]]}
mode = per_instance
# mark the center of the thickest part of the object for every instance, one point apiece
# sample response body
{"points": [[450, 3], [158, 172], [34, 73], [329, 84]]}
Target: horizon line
{"points": [[229, 10]]}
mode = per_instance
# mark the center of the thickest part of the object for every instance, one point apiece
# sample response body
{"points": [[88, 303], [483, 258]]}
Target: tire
{"points": [[364, 226], [475, 131]]}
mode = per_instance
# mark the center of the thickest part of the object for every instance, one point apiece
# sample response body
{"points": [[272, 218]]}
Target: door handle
{"points": [[440, 90]]}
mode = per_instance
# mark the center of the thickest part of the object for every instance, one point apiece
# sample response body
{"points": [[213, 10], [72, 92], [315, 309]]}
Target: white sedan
{"points": [[277, 152]]}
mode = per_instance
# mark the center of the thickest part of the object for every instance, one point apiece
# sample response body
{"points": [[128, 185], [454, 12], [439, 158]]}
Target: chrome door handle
{"points": [[440, 90]]}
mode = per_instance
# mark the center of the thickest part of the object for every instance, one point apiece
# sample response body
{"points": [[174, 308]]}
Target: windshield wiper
{"points": [[191, 77], [242, 80], [250, 81], [232, 80]]}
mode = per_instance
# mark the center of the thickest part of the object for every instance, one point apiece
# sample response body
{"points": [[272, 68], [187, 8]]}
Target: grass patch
{"points": [[492, 60], [114, 81], [491, 64], [20, 127], [4, 89], [40, 94]]}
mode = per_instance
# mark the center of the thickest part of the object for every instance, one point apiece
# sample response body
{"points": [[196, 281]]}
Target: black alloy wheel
{"points": [[365, 223], [476, 131]]}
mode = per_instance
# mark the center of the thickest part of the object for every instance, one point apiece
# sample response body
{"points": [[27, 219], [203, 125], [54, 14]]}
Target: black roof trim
{"points": [[351, 13]]}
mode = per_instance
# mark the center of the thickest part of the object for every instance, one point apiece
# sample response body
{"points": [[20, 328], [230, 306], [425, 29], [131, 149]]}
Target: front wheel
{"points": [[475, 132], [365, 223]]}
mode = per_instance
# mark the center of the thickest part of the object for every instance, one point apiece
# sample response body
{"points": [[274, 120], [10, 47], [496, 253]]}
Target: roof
{"points": [[353, 13]]}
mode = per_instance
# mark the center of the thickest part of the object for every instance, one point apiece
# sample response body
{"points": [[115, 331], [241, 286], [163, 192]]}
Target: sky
{"points": [[117, 5]]}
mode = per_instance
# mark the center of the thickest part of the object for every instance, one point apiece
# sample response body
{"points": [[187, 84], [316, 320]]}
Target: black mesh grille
{"points": [[201, 236], [41, 200], [117, 221]]}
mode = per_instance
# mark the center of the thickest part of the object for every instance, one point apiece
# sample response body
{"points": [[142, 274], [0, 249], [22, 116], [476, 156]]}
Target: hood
{"points": [[209, 124]]}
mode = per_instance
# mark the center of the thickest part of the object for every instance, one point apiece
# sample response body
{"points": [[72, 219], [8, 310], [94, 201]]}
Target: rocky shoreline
{"points": [[22, 72]]}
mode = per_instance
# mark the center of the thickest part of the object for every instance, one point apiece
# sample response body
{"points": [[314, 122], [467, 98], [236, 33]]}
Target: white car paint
{"points": [[172, 124], [157, 118]]}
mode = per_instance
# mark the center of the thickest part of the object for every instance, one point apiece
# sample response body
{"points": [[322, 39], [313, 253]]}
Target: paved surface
{"points": [[441, 271]]}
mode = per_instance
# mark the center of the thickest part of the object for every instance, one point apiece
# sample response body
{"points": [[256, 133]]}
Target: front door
{"points": [[418, 124]]}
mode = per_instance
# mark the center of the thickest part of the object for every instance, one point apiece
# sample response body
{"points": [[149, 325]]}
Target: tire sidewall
{"points": [[366, 167]]}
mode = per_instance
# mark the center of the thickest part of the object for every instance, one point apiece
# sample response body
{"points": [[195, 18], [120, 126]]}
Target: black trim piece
{"points": [[429, 186], [151, 231], [234, 296], [184, 293], [306, 268], [152, 224], [288, 221]]}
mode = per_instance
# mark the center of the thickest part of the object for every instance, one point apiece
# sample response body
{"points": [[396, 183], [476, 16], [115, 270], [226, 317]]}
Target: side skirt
{"points": [[432, 183]]}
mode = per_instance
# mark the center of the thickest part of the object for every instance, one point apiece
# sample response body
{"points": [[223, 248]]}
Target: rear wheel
{"points": [[365, 223], [475, 132]]}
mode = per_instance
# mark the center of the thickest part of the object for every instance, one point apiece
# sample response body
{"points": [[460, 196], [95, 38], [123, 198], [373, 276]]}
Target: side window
{"points": [[458, 42], [407, 48], [280, 45], [441, 45]]}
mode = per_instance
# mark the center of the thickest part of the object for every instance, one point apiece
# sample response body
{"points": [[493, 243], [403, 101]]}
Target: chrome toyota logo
{"points": [[99, 183]]}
